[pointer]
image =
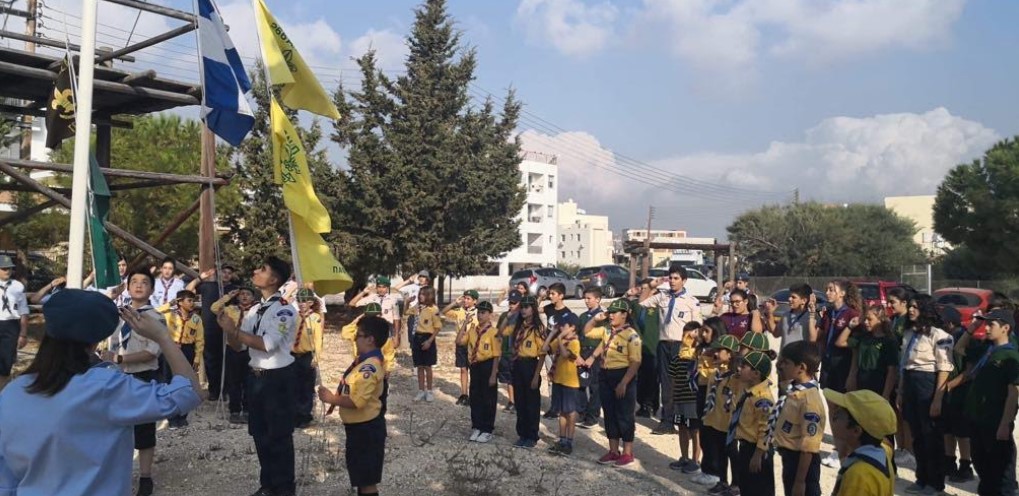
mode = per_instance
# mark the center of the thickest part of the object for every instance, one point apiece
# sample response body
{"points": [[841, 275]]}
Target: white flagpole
{"points": [[82, 132]]}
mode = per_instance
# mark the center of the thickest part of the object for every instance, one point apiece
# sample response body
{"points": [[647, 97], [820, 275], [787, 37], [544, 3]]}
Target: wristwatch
{"points": [[119, 359]]}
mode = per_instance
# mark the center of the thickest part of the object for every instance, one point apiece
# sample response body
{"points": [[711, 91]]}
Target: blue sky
{"points": [[845, 100]]}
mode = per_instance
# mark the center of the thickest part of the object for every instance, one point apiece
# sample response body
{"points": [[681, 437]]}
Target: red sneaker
{"points": [[609, 458], [624, 460]]}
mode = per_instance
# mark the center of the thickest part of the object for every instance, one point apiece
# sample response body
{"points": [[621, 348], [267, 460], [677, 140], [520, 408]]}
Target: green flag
{"points": [[104, 257]]}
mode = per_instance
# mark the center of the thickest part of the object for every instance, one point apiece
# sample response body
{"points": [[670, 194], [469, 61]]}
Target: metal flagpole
{"points": [[82, 131]]}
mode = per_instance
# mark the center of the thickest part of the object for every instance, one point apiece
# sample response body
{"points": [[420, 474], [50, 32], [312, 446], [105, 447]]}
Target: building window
{"points": [[551, 212], [551, 182], [563, 237], [563, 254]]}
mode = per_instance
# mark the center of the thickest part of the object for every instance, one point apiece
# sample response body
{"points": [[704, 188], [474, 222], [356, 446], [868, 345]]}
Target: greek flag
{"points": [[224, 82]]}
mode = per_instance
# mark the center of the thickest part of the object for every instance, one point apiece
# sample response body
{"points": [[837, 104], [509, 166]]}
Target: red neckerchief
{"points": [[477, 343], [300, 329], [555, 356], [612, 336], [180, 319], [518, 339], [166, 288]]}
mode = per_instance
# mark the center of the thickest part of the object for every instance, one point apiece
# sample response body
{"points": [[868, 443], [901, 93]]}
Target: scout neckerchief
{"points": [[777, 410], [987, 356], [793, 322], [831, 328], [264, 307], [4, 301], [166, 288], [479, 332], [874, 456], [612, 335], [907, 351], [518, 336], [555, 357], [709, 403], [300, 330], [672, 304], [730, 436], [182, 323], [125, 330]]}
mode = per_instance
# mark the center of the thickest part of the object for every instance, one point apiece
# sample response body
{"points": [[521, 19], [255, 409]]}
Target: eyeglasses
{"points": [[736, 301]]}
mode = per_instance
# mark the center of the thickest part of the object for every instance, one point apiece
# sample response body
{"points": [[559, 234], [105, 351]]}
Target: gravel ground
{"points": [[427, 451]]}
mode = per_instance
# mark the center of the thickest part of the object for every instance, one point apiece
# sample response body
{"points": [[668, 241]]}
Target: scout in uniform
{"points": [[464, 314], [796, 424], [13, 319], [359, 400], [187, 331], [528, 337], [139, 357], [683, 370], [234, 306], [349, 331], [723, 388], [268, 330], [647, 321], [756, 341], [484, 348], [749, 425], [307, 350], [167, 285], [861, 421], [590, 408], [554, 311], [621, 349], [565, 381], [389, 303], [507, 321], [424, 351]]}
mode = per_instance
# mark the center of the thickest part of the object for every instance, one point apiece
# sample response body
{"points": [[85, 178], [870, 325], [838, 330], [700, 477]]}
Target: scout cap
{"points": [[424, 273], [756, 341], [515, 297], [759, 362], [873, 414], [305, 294], [743, 276], [618, 306], [382, 281], [80, 316], [726, 342], [372, 309], [568, 319], [472, 293], [6, 262], [485, 306], [1001, 315]]}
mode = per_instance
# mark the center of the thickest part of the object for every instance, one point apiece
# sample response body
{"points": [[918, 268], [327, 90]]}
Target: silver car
{"points": [[538, 279]]}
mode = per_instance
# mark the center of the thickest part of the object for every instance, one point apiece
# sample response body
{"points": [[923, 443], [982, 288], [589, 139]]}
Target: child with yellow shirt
{"points": [[235, 305], [349, 331], [307, 349], [749, 426], [484, 348], [682, 369], [186, 329], [722, 388], [423, 349], [565, 381]]}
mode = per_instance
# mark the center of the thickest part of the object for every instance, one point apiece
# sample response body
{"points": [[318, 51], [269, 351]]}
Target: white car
{"points": [[697, 284]]}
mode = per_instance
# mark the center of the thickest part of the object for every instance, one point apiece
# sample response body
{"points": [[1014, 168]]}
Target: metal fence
{"points": [[765, 286]]}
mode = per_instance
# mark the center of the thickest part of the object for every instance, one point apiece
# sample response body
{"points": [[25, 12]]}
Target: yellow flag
{"points": [[316, 262], [301, 90], [290, 168]]}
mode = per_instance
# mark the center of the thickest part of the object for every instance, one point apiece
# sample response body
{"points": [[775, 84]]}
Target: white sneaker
{"points": [[474, 434], [429, 396], [705, 479], [420, 396], [484, 437], [832, 461]]}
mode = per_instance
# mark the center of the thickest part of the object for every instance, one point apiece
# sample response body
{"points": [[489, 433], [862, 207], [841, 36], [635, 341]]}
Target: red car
{"points": [[966, 300], [876, 292]]}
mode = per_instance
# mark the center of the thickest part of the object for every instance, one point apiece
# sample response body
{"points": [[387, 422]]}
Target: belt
{"points": [[263, 372]]}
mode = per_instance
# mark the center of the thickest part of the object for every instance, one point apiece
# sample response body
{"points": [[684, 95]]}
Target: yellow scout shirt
{"points": [[622, 347], [309, 334], [428, 321], [527, 343], [800, 424], [705, 367], [484, 343], [727, 394], [183, 330], [753, 418], [460, 315], [349, 332], [689, 349], [862, 477], [564, 369], [363, 384]]}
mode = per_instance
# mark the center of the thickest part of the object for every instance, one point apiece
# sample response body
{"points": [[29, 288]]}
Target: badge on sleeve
{"points": [[812, 429], [946, 342], [284, 313], [811, 417]]}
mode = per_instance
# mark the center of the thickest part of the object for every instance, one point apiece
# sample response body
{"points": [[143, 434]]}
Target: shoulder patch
{"points": [[368, 369], [284, 312], [196, 319], [811, 417], [946, 342], [634, 337]]}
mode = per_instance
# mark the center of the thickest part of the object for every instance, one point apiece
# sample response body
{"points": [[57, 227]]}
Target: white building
{"points": [[584, 240], [658, 256]]}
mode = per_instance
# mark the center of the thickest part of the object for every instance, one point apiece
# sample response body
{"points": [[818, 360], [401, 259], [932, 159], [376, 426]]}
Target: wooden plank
{"points": [[133, 174]]}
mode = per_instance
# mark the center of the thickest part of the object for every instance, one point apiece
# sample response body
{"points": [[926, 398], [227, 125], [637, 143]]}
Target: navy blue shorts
{"points": [[366, 451], [461, 357], [565, 399], [505, 375], [423, 358]]}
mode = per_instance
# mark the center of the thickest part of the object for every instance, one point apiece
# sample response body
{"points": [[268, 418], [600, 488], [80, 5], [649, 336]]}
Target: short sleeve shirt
{"points": [[800, 425], [727, 392], [930, 352], [428, 321], [622, 348], [165, 290], [484, 343], [527, 343], [390, 305], [873, 357], [364, 386], [685, 309], [988, 391], [565, 369], [276, 323], [132, 342], [753, 419], [17, 303], [793, 327]]}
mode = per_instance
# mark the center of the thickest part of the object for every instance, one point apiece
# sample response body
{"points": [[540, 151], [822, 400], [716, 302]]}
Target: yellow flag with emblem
{"points": [[300, 89], [316, 262], [290, 169]]}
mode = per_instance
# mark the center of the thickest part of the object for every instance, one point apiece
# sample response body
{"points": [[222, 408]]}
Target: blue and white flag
{"points": [[224, 81]]}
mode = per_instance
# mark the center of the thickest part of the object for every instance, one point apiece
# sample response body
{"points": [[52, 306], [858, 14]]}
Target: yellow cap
{"points": [[871, 412]]}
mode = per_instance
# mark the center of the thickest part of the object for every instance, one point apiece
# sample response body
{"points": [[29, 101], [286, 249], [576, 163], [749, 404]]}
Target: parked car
{"points": [[697, 284], [966, 300], [40, 271], [781, 297], [613, 280], [538, 279], [876, 292]]}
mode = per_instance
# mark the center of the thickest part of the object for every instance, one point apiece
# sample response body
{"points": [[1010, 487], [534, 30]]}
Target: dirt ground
{"points": [[427, 451]]}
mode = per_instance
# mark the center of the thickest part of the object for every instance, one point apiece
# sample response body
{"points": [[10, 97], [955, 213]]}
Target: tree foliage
{"points": [[433, 180], [977, 210], [811, 239]]}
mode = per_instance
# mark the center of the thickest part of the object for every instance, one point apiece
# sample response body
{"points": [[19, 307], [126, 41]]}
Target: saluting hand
{"points": [[144, 325], [601, 317]]}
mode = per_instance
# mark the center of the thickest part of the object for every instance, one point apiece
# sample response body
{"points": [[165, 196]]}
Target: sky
{"points": [[702, 108]]}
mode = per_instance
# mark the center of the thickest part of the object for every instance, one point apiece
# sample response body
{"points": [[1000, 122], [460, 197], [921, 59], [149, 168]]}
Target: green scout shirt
{"points": [[985, 402], [647, 323], [874, 356]]}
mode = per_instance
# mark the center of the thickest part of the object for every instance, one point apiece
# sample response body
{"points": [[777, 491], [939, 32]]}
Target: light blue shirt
{"points": [[81, 441]]}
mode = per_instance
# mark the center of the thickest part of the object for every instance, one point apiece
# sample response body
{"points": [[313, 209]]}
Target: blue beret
{"points": [[81, 316]]}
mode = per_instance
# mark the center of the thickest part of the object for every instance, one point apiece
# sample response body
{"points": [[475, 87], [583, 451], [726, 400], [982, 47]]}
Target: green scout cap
{"points": [[485, 306], [305, 294], [756, 341], [382, 281], [372, 309], [472, 293], [618, 305], [726, 342], [759, 362]]}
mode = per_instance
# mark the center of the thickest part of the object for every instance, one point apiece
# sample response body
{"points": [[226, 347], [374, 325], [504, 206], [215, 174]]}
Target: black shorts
{"points": [[565, 399], [9, 332], [956, 423], [461, 357], [505, 375], [423, 358], [145, 434], [366, 451]]}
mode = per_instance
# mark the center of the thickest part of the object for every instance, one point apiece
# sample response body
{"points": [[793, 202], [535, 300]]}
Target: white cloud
{"points": [[390, 48], [573, 27], [318, 42], [583, 164]]}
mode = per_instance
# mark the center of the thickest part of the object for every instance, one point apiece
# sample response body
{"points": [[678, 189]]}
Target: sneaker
{"points": [[244, 417], [474, 434], [235, 418], [664, 428], [903, 457], [831, 460], [705, 480], [566, 450], [609, 458], [420, 396], [624, 460], [508, 407], [679, 464], [145, 486], [692, 468], [643, 412], [964, 474], [588, 423], [485, 437], [719, 488], [305, 423], [519, 443], [262, 491], [530, 443], [429, 396], [915, 489]]}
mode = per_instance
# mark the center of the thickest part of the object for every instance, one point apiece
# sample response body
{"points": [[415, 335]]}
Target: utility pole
{"points": [[26, 120], [647, 244], [796, 196]]}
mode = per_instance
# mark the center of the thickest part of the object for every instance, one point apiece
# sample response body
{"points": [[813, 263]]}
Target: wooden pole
{"points": [[648, 259], [26, 120], [206, 224], [175, 224]]}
